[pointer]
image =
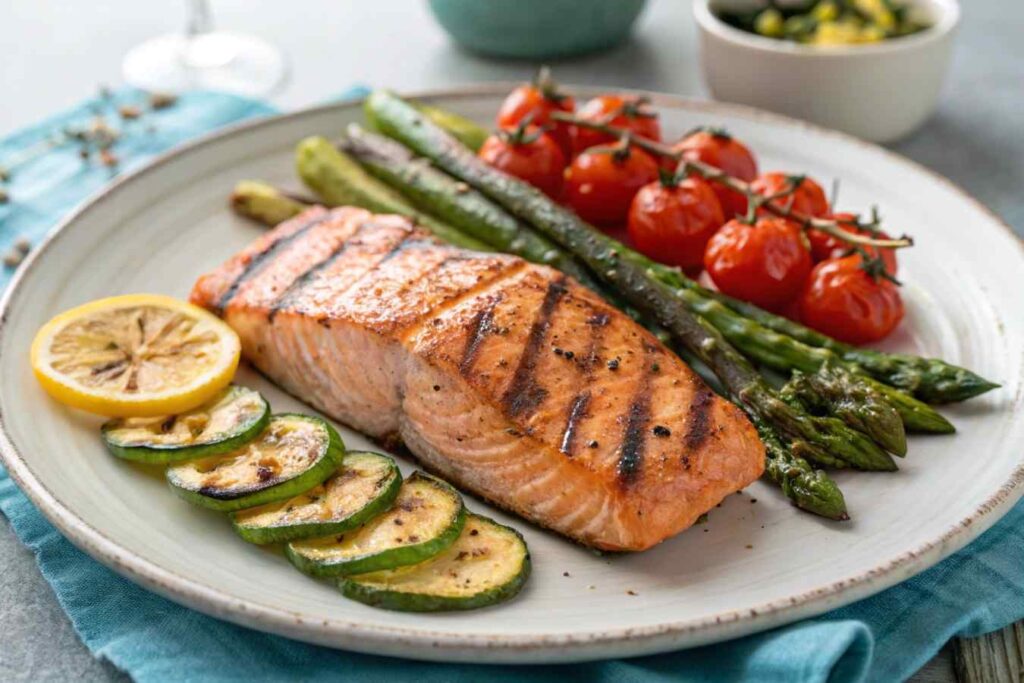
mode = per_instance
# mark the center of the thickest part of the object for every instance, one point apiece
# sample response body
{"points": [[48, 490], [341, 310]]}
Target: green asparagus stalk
{"points": [[833, 390], [929, 379], [772, 349], [464, 130], [338, 180], [265, 203], [454, 202], [825, 437], [809, 489]]}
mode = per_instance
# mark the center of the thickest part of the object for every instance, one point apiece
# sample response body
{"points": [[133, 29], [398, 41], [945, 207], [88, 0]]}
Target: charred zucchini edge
{"points": [[261, 535], [166, 455], [352, 588], [390, 558], [330, 458]]}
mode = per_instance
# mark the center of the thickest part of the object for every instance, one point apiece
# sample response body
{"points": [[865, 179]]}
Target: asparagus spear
{"points": [[465, 131], [930, 379], [338, 180], [808, 488], [775, 350], [826, 438], [456, 203], [836, 391], [265, 203]]}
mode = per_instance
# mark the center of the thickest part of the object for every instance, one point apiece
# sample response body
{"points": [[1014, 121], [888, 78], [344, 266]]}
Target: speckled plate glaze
{"points": [[752, 566]]}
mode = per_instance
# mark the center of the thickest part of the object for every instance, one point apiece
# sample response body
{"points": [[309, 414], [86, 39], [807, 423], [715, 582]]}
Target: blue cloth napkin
{"points": [[883, 638]]}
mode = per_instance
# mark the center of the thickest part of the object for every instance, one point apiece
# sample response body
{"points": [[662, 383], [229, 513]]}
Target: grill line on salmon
{"points": [[508, 379]]}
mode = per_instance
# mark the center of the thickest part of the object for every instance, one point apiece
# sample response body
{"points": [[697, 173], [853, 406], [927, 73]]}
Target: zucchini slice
{"points": [[233, 418], [489, 563], [427, 517], [363, 487], [294, 453]]}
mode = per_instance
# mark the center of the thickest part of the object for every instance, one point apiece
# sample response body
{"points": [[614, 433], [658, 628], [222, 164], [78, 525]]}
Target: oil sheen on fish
{"points": [[508, 379]]}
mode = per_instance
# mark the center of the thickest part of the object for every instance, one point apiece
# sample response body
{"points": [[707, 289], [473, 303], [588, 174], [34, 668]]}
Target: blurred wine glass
{"points": [[206, 59]]}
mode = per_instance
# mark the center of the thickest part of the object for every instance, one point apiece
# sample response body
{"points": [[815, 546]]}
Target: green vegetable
{"points": [[488, 564], [456, 203], [265, 203], [426, 518], [364, 486], [339, 181], [233, 418], [769, 23], [465, 131], [826, 22], [294, 453], [929, 379], [809, 489], [833, 390], [779, 351], [827, 438]]}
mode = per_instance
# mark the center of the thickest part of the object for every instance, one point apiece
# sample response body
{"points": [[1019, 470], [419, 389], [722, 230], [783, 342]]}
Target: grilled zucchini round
{"points": [[293, 454], [426, 518], [488, 564], [231, 419], [364, 486]]}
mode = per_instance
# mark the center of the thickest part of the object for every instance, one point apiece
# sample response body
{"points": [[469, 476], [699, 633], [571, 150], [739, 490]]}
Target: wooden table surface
{"points": [[56, 53]]}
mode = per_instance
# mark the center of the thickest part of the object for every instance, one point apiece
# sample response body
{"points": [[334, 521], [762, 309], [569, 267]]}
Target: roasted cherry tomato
{"points": [[600, 184], [538, 100], [842, 300], [622, 111], [717, 148], [528, 154], [808, 199], [825, 246], [672, 222], [765, 263]]}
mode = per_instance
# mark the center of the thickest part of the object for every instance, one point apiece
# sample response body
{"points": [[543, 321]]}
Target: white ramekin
{"points": [[879, 91]]}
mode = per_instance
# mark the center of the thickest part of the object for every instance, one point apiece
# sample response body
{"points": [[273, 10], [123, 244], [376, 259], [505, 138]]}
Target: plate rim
{"points": [[423, 643]]}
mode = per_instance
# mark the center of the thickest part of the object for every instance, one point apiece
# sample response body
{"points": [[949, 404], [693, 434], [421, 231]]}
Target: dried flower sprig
{"points": [[94, 139]]}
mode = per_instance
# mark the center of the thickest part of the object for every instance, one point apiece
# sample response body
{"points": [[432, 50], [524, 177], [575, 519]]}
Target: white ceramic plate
{"points": [[751, 567]]}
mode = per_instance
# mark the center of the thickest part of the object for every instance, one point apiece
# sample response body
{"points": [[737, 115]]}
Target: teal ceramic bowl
{"points": [[536, 29]]}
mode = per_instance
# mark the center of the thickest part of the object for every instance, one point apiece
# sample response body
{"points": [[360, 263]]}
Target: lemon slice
{"points": [[139, 355]]}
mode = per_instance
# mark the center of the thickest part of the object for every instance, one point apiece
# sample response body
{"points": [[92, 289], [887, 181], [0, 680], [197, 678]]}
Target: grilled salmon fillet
{"points": [[508, 379]]}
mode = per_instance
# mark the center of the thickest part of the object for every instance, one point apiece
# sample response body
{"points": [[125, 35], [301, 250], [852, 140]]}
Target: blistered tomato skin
{"points": [[766, 263], [808, 199], [539, 162], [600, 186], [725, 153], [673, 224], [618, 111], [843, 301], [529, 100]]}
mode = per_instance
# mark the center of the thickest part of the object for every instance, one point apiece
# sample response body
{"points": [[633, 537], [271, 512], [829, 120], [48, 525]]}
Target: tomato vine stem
{"points": [[827, 225]]}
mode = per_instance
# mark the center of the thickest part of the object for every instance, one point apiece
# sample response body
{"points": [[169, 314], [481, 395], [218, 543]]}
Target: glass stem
{"points": [[203, 50], [200, 20]]}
